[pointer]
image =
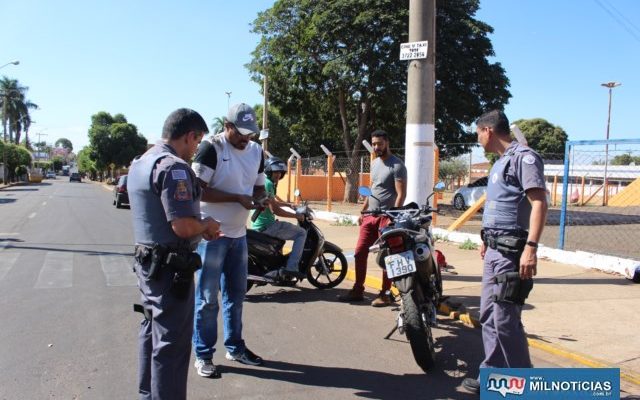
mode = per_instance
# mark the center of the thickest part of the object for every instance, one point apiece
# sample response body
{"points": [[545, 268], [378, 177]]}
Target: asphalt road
{"points": [[68, 330]]}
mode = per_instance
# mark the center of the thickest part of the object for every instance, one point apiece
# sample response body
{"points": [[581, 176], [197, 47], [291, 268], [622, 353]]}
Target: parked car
{"points": [[120, 194], [51, 175], [469, 194], [75, 177]]}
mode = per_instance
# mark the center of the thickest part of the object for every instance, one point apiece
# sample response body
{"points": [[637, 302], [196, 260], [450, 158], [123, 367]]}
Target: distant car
{"points": [[120, 194], [75, 177], [469, 194], [51, 175]]}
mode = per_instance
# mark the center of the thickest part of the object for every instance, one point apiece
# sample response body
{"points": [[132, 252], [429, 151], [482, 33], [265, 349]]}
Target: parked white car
{"points": [[469, 194], [465, 196]]}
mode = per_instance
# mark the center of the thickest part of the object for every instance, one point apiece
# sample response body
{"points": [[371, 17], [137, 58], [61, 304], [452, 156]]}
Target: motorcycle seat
{"points": [[255, 236]]}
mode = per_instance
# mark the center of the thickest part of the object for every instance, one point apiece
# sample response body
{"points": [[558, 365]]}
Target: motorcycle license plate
{"points": [[400, 264]]}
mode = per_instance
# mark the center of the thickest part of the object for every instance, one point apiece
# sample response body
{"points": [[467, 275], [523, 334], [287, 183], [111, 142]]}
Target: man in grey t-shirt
{"points": [[389, 188]]}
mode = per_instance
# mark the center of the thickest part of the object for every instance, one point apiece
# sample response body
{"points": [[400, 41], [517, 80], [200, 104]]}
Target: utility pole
{"points": [[605, 187], [264, 134], [420, 126]]}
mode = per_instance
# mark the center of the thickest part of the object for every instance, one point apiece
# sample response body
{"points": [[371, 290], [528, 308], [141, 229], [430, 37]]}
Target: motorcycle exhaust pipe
{"points": [[256, 278]]}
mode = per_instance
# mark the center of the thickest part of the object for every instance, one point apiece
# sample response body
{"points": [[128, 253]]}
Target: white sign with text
{"points": [[413, 50]]}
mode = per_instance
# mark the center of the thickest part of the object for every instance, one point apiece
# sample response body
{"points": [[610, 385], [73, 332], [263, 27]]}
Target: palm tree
{"points": [[15, 108], [218, 124]]}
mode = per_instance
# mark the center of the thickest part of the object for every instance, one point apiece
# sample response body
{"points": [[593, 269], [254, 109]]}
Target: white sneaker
{"points": [[207, 369]]}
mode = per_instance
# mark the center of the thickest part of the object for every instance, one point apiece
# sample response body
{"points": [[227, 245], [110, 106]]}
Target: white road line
{"points": [[118, 270], [32, 215], [6, 263], [44, 203], [57, 271]]}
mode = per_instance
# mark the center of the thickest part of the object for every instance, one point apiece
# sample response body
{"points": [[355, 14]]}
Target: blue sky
{"points": [[146, 58]]}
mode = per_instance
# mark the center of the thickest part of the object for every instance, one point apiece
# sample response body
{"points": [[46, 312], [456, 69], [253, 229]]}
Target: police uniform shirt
{"points": [[528, 168], [179, 194]]}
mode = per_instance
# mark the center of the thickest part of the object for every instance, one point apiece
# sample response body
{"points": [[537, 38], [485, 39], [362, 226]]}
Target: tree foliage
{"points": [[114, 141], [64, 143], [450, 170], [335, 74], [15, 155], [625, 159], [14, 108], [85, 163]]}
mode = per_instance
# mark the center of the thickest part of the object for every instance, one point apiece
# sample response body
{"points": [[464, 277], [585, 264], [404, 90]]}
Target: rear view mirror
{"points": [[439, 187], [364, 191]]}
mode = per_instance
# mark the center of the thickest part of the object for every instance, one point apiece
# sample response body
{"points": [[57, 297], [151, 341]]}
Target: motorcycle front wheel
{"points": [[418, 332], [335, 272]]}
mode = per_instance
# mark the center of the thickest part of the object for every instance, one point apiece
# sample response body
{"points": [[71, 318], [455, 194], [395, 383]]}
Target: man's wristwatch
{"points": [[531, 243]]}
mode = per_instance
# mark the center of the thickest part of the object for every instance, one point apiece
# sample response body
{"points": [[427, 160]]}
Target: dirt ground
{"points": [[603, 230]]}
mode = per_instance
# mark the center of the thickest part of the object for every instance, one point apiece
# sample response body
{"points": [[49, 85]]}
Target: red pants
{"points": [[369, 232]]}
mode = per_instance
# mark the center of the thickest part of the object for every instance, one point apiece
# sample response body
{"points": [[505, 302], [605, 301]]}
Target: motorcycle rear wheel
{"points": [[337, 272], [418, 333]]}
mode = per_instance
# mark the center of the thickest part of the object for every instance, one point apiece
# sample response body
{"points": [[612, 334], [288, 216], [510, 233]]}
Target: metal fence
{"points": [[600, 209]]}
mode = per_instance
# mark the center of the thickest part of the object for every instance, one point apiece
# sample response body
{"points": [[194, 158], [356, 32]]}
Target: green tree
{"points": [[625, 159], [14, 107], [57, 162], [114, 141], [217, 125], [64, 143], [85, 163], [450, 170], [334, 71], [15, 155]]}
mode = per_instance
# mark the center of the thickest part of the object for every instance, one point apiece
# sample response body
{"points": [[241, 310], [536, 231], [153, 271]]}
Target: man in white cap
{"points": [[230, 167]]}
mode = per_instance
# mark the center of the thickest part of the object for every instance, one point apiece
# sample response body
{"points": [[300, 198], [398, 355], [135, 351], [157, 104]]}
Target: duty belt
{"points": [[505, 243]]}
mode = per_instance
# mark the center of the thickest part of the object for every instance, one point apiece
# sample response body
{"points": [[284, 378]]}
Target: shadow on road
{"points": [[551, 281], [454, 363], [7, 201], [298, 294]]}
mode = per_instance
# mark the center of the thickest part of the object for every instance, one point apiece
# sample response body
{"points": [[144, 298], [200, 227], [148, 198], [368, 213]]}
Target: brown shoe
{"points": [[382, 300], [351, 295]]}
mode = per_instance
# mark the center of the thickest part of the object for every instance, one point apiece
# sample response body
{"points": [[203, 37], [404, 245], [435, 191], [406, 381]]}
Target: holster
{"points": [[506, 244], [512, 288], [183, 265]]}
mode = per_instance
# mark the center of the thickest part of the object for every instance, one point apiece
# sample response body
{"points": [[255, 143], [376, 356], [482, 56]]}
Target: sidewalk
{"points": [[587, 317]]}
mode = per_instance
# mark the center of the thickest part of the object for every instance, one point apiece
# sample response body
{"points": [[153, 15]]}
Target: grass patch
{"points": [[441, 238], [468, 245], [344, 220]]}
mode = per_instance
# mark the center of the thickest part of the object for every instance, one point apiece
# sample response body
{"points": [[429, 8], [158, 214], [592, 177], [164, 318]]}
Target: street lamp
{"points": [[228, 98], [610, 86], [15, 62]]}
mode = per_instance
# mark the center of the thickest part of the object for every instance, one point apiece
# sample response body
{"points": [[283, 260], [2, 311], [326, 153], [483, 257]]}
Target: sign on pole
{"points": [[413, 50]]}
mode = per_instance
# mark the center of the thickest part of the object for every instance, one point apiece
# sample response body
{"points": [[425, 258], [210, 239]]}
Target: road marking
{"points": [[44, 203], [9, 233], [117, 269], [32, 215], [57, 271], [6, 263]]}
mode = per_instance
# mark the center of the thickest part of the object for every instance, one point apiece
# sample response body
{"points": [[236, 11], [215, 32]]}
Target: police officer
{"points": [[512, 223], [165, 205]]}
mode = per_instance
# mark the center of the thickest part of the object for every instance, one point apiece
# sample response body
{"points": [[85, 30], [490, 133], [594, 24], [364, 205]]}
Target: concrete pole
{"points": [[265, 114], [420, 127]]}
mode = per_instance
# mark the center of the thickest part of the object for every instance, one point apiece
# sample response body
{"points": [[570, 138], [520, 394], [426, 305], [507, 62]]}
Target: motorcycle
{"points": [[405, 250], [322, 263]]}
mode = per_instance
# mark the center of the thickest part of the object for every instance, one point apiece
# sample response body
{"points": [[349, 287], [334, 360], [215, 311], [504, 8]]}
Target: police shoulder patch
{"points": [[182, 192], [178, 174], [529, 159]]}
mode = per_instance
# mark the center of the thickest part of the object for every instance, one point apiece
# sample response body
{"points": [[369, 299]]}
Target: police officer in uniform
{"points": [[165, 206], [512, 223]]}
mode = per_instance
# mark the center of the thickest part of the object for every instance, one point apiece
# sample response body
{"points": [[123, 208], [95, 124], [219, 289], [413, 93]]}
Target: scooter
{"points": [[405, 250], [322, 263]]}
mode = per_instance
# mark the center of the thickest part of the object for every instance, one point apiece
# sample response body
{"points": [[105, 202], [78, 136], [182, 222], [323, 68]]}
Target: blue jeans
{"points": [[224, 266], [287, 231]]}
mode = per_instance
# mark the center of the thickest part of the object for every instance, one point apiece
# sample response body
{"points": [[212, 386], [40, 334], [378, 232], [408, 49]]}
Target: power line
{"points": [[620, 22]]}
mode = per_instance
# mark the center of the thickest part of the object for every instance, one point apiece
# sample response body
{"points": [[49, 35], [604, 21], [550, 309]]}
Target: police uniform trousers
{"points": [[503, 336], [165, 341]]}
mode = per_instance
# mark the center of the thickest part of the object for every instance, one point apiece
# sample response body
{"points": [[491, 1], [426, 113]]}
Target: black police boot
{"points": [[471, 385]]}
